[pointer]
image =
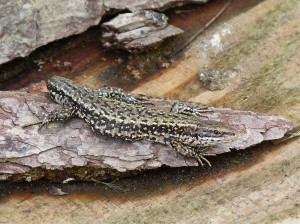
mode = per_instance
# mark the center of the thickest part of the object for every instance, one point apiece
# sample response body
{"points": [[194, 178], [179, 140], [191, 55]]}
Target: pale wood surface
{"points": [[261, 47]]}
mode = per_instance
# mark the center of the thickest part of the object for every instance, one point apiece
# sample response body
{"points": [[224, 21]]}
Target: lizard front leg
{"points": [[200, 155], [196, 153], [190, 109]]}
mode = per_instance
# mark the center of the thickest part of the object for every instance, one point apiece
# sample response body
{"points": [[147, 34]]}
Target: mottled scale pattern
{"points": [[116, 113]]}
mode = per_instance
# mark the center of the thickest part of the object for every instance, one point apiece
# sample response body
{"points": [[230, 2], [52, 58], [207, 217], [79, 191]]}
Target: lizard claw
{"points": [[200, 158], [31, 124], [41, 124], [45, 122]]}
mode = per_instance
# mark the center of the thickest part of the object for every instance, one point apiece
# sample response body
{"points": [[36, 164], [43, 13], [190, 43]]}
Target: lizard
{"points": [[116, 113]]}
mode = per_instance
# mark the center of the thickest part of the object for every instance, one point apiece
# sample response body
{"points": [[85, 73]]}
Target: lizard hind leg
{"points": [[59, 114]]}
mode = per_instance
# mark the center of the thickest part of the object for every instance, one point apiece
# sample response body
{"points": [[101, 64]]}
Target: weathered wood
{"points": [[27, 152], [138, 30], [261, 46], [136, 5], [27, 25]]}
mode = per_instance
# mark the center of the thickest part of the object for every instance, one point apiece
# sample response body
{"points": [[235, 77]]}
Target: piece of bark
{"points": [[137, 5], [27, 25], [72, 150], [138, 30]]}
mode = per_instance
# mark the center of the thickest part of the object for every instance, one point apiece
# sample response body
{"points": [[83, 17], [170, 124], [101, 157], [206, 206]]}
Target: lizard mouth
{"points": [[213, 137]]}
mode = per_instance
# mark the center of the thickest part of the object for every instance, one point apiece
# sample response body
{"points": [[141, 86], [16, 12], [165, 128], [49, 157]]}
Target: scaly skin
{"points": [[116, 113]]}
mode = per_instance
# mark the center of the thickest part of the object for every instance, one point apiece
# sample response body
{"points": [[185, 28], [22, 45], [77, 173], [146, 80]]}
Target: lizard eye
{"points": [[217, 132]]}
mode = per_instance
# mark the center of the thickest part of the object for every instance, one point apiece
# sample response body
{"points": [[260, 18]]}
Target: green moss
{"points": [[266, 92], [252, 39]]}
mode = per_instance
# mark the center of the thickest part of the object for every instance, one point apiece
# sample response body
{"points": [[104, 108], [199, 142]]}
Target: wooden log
{"points": [[72, 150]]}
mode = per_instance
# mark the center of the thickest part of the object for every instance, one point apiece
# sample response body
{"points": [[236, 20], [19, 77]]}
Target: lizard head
{"points": [[214, 133]]}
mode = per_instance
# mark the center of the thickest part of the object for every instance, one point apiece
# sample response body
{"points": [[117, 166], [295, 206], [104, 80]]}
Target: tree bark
{"points": [[138, 31], [72, 150], [27, 25]]}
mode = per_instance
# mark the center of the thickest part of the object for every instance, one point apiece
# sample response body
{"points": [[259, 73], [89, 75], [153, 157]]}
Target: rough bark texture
{"points": [[27, 25], [27, 153], [138, 30]]}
